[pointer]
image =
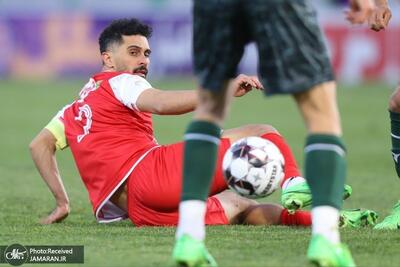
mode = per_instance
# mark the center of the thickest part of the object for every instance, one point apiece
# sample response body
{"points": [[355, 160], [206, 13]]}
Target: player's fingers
{"points": [[383, 18], [386, 17], [257, 82], [375, 21], [248, 82]]}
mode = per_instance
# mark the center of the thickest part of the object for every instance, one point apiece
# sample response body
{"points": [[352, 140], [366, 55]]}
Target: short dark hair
{"points": [[113, 33]]}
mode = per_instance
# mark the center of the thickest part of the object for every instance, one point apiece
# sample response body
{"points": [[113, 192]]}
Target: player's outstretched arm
{"points": [[380, 16], [43, 149], [180, 102]]}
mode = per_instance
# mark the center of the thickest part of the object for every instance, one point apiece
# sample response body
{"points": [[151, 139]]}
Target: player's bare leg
{"points": [[325, 170], [241, 210], [393, 220]]}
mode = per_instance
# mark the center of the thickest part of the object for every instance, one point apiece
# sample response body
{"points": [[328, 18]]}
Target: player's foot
{"points": [[391, 222], [322, 252], [189, 252], [298, 196], [357, 218]]}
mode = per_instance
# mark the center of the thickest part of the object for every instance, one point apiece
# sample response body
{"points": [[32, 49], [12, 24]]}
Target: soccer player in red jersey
{"points": [[109, 131]]}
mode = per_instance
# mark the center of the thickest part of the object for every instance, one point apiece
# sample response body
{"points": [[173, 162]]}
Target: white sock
{"points": [[293, 181], [325, 222], [191, 219]]}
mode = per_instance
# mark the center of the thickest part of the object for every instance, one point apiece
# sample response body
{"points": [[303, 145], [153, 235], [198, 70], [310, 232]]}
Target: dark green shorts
{"points": [[292, 53]]}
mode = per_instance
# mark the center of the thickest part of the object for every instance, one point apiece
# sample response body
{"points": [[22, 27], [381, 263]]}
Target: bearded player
{"points": [[126, 172]]}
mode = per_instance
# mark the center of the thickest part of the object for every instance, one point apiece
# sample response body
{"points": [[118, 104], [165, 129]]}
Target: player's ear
{"points": [[107, 60]]}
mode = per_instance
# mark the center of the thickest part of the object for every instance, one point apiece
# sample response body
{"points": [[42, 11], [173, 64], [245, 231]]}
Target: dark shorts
{"points": [[292, 53]]}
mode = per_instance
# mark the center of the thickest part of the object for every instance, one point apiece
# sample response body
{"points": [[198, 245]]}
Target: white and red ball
{"points": [[253, 167]]}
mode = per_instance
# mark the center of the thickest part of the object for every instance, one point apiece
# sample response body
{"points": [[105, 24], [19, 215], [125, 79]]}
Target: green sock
{"points": [[201, 146], [325, 169], [395, 134]]}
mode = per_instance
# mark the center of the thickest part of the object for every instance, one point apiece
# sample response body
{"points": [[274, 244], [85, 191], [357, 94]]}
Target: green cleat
{"points": [[357, 218], [299, 196], [189, 252], [323, 253], [391, 222]]}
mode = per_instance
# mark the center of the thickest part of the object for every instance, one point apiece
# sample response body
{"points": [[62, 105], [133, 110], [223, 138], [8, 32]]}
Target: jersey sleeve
{"points": [[128, 87], [56, 127]]}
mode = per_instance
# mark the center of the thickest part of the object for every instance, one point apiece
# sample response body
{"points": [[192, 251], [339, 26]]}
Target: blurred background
{"points": [[58, 38]]}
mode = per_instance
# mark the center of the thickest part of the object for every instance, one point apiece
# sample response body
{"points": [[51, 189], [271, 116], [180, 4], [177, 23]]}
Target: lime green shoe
{"points": [[190, 252], [299, 196], [391, 222], [323, 253], [357, 218]]}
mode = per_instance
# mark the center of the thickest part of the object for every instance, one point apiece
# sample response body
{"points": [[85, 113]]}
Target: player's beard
{"points": [[142, 70]]}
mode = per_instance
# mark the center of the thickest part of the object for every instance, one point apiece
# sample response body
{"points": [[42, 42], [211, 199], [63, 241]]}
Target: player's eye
{"points": [[134, 53]]}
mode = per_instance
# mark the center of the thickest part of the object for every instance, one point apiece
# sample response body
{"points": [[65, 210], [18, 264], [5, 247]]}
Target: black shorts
{"points": [[292, 53]]}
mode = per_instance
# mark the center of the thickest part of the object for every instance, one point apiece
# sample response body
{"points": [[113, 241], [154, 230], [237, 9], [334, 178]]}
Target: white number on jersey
{"points": [[84, 112], [89, 87]]}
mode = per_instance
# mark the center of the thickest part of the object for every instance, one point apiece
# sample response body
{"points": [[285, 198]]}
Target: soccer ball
{"points": [[253, 167]]}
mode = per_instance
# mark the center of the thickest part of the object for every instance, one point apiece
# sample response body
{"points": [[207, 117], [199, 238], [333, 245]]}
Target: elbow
{"points": [[41, 143], [33, 146]]}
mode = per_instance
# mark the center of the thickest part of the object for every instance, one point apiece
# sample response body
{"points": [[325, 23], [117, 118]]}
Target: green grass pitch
{"points": [[27, 106]]}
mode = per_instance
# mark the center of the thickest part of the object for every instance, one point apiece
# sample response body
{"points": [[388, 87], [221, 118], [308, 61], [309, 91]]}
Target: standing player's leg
{"points": [[293, 59], [202, 139], [393, 220], [217, 51], [325, 169]]}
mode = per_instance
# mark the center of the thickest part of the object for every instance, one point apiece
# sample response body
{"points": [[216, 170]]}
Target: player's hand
{"points": [[57, 215], [243, 84], [360, 11], [380, 17]]}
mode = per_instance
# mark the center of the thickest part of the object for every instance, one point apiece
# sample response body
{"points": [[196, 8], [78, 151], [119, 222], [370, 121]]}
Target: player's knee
{"points": [[260, 129], [394, 101]]}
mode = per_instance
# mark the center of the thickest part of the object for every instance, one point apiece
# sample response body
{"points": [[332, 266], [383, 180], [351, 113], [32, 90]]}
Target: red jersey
{"points": [[108, 136]]}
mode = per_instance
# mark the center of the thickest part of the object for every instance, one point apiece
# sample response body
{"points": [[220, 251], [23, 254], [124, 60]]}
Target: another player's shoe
{"points": [[322, 252], [298, 196], [391, 222], [357, 218], [190, 252]]}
